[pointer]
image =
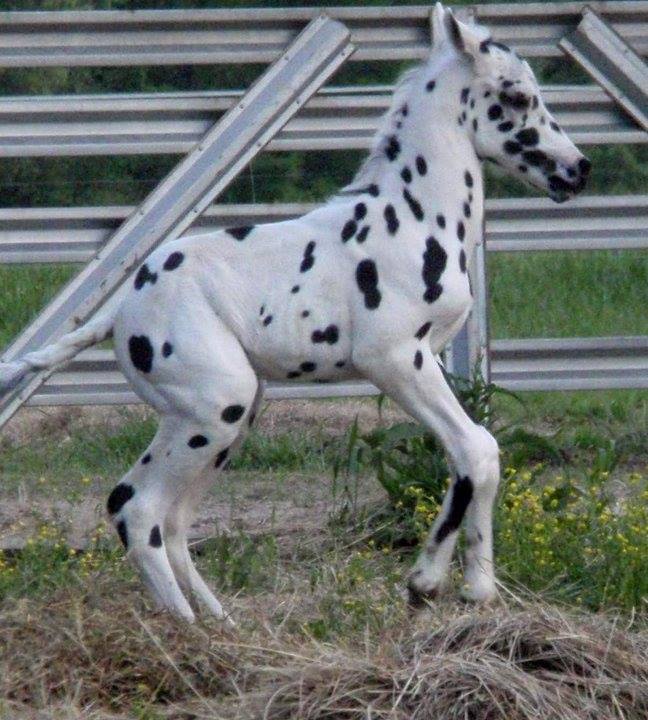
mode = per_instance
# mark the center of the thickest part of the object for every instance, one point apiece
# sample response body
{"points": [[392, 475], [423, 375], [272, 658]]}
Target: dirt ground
{"points": [[287, 505]]}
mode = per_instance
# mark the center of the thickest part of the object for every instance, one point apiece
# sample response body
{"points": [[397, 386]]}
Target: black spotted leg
{"points": [[411, 376], [179, 520], [206, 400]]}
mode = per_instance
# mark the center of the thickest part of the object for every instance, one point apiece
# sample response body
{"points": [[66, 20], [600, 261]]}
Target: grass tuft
{"points": [[101, 650]]}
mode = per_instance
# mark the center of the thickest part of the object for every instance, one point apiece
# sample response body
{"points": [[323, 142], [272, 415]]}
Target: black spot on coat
{"points": [[462, 492], [173, 261], [414, 204], [406, 174], [167, 349], [430, 85], [393, 148], [461, 230], [349, 230], [512, 147], [122, 531], [359, 211], [308, 260], [367, 279], [329, 335], [143, 276], [221, 457], [537, 158], [362, 235], [468, 179], [423, 330], [528, 136], [441, 221], [418, 359], [495, 112], [240, 233], [119, 496], [141, 352], [434, 262], [462, 261], [155, 538], [392, 221], [421, 165], [232, 413], [308, 367], [197, 441], [146, 459]]}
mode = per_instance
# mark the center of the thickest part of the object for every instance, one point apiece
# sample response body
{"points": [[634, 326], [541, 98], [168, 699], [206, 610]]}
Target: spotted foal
{"points": [[374, 283]]}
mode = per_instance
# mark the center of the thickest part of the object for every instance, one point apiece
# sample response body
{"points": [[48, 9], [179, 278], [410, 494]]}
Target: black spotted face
{"points": [[515, 130]]}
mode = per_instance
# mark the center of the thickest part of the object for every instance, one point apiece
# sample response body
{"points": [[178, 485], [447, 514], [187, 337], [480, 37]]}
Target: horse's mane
{"points": [[370, 167]]}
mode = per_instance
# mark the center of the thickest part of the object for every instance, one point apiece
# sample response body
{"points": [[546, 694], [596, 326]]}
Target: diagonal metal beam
{"points": [[612, 63], [182, 196]]}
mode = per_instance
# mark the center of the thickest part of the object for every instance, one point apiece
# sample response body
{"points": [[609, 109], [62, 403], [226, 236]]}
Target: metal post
{"points": [[612, 63]]}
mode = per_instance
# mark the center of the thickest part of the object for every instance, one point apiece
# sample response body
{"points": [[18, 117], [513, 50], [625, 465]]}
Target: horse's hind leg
{"points": [[137, 507], [180, 516], [207, 398]]}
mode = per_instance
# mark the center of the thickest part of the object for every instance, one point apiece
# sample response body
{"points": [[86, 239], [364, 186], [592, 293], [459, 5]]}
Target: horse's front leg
{"points": [[411, 376]]}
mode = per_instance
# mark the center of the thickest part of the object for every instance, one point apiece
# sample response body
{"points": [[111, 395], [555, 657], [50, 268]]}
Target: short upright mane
{"points": [[370, 167]]}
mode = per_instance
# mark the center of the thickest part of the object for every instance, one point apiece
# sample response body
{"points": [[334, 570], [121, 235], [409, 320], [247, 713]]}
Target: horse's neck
{"points": [[431, 131]]}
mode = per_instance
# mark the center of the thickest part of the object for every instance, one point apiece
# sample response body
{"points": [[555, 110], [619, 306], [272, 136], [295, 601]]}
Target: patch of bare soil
{"points": [[276, 417], [244, 502]]}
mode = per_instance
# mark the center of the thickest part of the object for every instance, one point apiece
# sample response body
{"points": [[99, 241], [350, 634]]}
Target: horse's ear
{"points": [[439, 33], [465, 38]]}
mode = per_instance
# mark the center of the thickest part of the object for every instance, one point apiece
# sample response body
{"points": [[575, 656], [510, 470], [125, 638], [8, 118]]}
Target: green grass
{"points": [[25, 290], [568, 294], [96, 456]]}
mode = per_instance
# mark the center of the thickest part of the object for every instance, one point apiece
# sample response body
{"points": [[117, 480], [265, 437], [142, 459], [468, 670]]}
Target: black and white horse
{"points": [[374, 283]]}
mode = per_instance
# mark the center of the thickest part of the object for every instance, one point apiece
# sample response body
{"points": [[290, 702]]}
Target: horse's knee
{"points": [[481, 459]]}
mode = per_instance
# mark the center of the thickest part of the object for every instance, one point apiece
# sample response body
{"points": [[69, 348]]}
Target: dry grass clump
{"points": [[536, 663], [98, 652], [96, 657]]}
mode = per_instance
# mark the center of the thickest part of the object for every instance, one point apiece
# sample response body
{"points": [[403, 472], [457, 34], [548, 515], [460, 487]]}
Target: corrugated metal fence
{"points": [[336, 118]]}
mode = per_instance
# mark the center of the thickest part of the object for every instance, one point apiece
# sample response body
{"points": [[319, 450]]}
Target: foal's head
{"points": [[501, 108]]}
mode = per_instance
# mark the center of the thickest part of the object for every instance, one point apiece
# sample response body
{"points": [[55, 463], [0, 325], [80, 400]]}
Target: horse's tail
{"points": [[59, 352]]}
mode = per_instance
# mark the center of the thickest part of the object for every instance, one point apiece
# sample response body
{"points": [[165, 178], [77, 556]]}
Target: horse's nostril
{"points": [[584, 165]]}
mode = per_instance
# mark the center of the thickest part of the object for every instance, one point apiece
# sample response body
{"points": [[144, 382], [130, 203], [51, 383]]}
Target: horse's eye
{"points": [[516, 100]]}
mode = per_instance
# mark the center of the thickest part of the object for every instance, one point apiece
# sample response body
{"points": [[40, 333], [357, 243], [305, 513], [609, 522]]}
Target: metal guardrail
{"points": [[68, 235], [611, 63], [255, 35], [336, 119], [570, 363]]}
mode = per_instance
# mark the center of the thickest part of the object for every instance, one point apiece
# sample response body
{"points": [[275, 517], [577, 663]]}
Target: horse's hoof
{"points": [[482, 592], [419, 593]]}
